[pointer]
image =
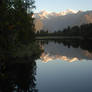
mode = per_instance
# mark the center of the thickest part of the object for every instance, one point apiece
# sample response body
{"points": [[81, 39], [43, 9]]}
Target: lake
{"points": [[65, 66]]}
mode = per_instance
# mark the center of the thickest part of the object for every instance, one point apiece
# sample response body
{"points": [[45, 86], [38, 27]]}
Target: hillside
{"points": [[58, 21]]}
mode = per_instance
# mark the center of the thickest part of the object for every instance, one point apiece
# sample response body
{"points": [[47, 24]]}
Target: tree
{"points": [[16, 24]]}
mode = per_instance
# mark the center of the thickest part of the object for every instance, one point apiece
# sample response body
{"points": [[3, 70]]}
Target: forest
{"points": [[17, 31], [18, 49], [84, 30]]}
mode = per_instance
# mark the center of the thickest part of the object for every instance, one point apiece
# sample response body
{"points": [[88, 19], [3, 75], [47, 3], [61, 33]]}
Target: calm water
{"points": [[65, 67]]}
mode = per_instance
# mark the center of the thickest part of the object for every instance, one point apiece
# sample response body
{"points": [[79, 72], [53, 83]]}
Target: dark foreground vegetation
{"points": [[84, 31], [18, 49], [16, 28]]}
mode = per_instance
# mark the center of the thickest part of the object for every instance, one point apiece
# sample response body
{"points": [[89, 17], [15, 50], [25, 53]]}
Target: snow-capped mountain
{"points": [[53, 21], [44, 14]]}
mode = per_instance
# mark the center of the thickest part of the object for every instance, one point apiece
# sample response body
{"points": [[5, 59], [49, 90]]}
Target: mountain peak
{"points": [[53, 21], [68, 11], [45, 14]]}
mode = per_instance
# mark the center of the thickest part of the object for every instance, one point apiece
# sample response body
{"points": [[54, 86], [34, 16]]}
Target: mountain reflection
{"points": [[67, 50], [46, 58]]}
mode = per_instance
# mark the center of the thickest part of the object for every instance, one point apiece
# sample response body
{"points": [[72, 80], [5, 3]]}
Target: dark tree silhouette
{"points": [[18, 77]]}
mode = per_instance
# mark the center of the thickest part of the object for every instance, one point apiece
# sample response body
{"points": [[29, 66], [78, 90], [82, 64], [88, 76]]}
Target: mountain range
{"points": [[53, 21]]}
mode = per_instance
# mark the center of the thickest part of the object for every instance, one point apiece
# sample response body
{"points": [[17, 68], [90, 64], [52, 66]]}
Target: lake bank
{"points": [[60, 37]]}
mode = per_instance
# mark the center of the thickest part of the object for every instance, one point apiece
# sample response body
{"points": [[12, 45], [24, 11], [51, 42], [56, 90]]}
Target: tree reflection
{"points": [[83, 44], [18, 75]]}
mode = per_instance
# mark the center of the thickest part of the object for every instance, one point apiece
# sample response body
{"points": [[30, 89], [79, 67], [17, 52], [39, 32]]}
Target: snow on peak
{"points": [[44, 14], [68, 11]]}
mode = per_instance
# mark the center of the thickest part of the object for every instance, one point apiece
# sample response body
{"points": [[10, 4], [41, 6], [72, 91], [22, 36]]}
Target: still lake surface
{"points": [[65, 66]]}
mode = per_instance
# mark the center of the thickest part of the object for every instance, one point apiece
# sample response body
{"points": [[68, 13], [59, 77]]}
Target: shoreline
{"points": [[60, 38]]}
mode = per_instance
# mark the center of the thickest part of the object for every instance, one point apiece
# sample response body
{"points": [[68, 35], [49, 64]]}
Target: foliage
{"points": [[16, 25], [18, 50], [84, 31]]}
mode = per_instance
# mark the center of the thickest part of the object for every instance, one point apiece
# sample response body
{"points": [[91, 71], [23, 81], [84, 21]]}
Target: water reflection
{"points": [[67, 50], [61, 76], [18, 77], [17, 74]]}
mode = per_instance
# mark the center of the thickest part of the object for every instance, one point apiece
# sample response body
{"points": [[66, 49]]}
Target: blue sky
{"points": [[61, 5]]}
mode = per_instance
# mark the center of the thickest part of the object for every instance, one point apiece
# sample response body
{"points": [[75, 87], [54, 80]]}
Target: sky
{"points": [[61, 5]]}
